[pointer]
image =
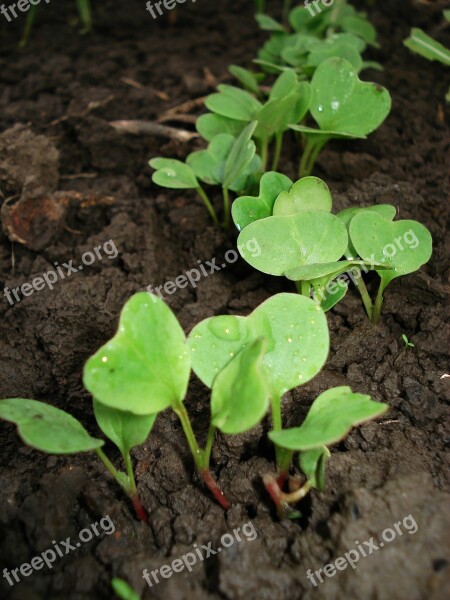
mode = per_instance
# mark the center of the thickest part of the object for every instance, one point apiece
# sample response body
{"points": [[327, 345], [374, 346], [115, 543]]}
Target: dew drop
{"points": [[104, 359]]}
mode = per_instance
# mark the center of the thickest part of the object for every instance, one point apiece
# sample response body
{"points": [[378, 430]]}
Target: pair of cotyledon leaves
{"points": [[246, 361], [298, 236], [228, 161]]}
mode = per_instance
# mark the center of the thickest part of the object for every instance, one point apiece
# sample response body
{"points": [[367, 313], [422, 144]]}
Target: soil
{"points": [[59, 94]]}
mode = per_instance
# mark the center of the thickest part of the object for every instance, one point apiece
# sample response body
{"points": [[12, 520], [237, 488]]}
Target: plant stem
{"points": [[130, 489], [294, 497], [203, 195], [84, 9], [277, 153], [277, 425], [378, 304], [226, 208], [362, 289], [264, 154], [201, 457], [278, 498]]}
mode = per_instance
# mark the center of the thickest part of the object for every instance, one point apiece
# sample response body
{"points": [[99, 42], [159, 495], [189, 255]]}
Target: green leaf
{"points": [[288, 242], [329, 270], [309, 193], [210, 125], [334, 296], [421, 43], [124, 429], [284, 85], [47, 428], [313, 464], [330, 418], [247, 209], [246, 78], [173, 174], [123, 590], [385, 210], [240, 156], [342, 104], [345, 45], [233, 103], [145, 367], [405, 245], [208, 165], [360, 26], [268, 24], [240, 396], [296, 332]]}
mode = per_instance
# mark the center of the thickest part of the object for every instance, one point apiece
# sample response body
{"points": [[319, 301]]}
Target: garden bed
{"points": [[68, 88]]}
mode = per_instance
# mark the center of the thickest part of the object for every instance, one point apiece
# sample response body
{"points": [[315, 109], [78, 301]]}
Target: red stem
{"points": [[139, 509], [282, 479], [208, 480]]}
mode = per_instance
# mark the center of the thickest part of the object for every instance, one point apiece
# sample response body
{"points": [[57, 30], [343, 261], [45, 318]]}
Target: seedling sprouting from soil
{"points": [[296, 333], [300, 239], [231, 108], [343, 106], [406, 341], [228, 162], [329, 420], [123, 590], [54, 431]]}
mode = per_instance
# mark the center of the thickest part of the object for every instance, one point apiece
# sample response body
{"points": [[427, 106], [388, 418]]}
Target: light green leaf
{"points": [[405, 245], [240, 156], [246, 78], [313, 464], [145, 367], [330, 270], [233, 103], [240, 395], [208, 165], [247, 209], [173, 174], [124, 429], [308, 193], [385, 210], [268, 24], [123, 590], [330, 418], [288, 242], [342, 104], [210, 125], [47, 428], [421, 43], [296, 332]]}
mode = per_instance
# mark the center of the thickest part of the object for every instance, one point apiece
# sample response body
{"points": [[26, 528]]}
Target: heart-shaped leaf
{"points": [[308, 193], [405, 245], [247, 209], [342, 104], [233, 103], [47, 428], [145, 367], [296, 332], [173, 174], [210, 125], [306, 238], [385, 210], [124, 429], [313, 464], [329, 419], [240, 395]]}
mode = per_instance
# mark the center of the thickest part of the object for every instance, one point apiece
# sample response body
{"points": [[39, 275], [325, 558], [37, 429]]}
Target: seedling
{"points": [[406, 341], [145, 368], [288, 103], [300, 239], [123, 590], [330, 418], [343, 106], [297, 337], [54, 431], [423, 44], [229, 162]]}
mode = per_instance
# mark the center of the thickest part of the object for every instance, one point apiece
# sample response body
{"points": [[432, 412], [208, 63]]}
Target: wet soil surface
{"points": [[94, 186]]}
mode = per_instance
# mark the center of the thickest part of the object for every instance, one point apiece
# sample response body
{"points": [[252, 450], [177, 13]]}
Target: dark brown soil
{"points": [[66, 88]]}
